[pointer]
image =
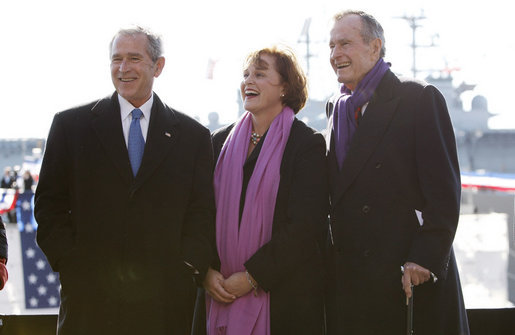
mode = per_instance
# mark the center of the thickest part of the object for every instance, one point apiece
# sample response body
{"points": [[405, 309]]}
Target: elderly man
{"points": [[125, 203], [395, 193]]}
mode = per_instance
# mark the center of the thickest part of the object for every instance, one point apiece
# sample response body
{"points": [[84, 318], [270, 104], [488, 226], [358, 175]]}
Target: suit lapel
{"points": [[161, 138], [108, 127], [369, 134]]}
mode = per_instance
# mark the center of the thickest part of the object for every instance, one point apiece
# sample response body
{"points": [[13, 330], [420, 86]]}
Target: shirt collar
{"points": [[126, 107]]}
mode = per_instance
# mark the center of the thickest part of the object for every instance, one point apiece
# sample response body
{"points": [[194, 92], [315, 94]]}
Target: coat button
{"points": [[378, 165], [367, 253], [365, 209]]}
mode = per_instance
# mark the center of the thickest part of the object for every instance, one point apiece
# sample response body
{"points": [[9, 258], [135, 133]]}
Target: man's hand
{"points": [[213, 286], [413, 274]]}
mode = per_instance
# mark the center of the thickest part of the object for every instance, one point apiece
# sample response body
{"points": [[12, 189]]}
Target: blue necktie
{"points": [[136, 141]]}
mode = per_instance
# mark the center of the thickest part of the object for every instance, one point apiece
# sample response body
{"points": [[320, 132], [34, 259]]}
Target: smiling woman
{"points": [[262, 90], [271, 190]]}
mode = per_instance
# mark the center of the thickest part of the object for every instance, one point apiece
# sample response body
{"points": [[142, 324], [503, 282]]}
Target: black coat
{"points": [[7, 183], [290, 265], [401, 159], [118, 241]]}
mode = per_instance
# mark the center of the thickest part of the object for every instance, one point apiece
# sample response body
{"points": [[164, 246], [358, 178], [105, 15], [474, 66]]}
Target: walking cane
{"points": [[409, 315], [409, 309]]}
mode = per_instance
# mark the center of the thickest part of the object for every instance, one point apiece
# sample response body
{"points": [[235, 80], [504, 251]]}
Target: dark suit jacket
{"points": [[7, 184], [290, 265], [401, 159], [118, 241]]}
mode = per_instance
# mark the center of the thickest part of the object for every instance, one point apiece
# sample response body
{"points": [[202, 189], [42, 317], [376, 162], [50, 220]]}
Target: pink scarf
{"points": [[237, 242]]}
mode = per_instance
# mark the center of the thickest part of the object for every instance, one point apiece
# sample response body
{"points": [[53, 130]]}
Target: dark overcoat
{"points": [[119, 242], [290, 265], [401, 161]]}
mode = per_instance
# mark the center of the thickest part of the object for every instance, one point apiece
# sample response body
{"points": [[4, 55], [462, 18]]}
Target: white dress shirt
{"points": [[126, 109]]}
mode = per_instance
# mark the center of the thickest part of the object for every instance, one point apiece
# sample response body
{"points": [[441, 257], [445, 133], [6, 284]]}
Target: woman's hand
{"points": [[237, 284], [213, 286]]}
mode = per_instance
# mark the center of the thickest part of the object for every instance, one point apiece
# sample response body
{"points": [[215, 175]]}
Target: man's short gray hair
{"points": [[371, 27], [155, 43]]}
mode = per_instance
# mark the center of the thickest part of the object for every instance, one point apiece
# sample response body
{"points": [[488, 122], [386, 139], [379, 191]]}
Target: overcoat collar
{"points": [[161, 137], [371, 130]]}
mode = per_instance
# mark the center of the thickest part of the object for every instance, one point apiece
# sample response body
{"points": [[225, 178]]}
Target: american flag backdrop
{"points": [[41, 283], [8, 198]]}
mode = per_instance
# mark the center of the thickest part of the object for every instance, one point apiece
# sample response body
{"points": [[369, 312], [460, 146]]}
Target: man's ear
{"points": [[160, 64], [377, 44]]}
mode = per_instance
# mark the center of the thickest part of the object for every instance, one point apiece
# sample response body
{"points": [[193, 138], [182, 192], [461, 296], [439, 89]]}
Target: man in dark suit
{"points": [[8, 180], [395, 194], [125, 203]]}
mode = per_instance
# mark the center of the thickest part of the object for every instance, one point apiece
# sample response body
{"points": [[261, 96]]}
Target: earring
{"points": [[282, 95]]}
